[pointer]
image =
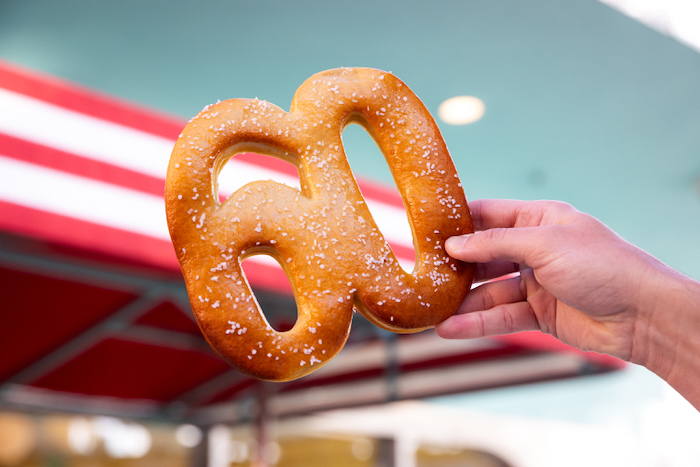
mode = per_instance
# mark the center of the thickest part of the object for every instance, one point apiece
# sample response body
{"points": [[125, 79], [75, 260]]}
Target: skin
{"points": [[565, 273]]}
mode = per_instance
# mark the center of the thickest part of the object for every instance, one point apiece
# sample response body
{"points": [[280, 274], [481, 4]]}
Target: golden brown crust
{"points": [[323, 236]]}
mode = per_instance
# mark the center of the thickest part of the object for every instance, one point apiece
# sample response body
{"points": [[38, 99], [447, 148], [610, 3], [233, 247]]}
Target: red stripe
{"points": [[269, 162], [67, 162], [79, 99], [266, 277], [77, 233], [403, 251], [116, 243], [386, 194]]}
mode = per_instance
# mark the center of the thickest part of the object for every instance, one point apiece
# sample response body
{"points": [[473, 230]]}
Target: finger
{"points": [[503, 319], [492, 294], [494, 269], [491, 213], [516, 245], [504, 213]]}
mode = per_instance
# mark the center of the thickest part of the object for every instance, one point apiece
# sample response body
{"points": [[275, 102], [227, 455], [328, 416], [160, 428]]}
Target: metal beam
{"points": [[165, 338], [430, 382], [210, 388], [32, 399], [83, 271]]}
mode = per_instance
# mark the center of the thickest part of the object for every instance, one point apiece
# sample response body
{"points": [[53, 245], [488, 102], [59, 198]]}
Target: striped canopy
{"points": [[94, 313]]}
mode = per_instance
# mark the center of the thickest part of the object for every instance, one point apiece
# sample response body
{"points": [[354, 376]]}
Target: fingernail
{"points": [[456, 243]]}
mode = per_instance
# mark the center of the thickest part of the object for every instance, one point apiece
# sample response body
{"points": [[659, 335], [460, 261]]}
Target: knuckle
{"points": [[542, 212], [481, 324], [560, 205], [508, 321], [490, 242], [493, 235], [487, 299]]}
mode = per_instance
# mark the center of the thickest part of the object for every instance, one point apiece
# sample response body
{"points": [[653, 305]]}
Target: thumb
{"points": [[516, 245]]}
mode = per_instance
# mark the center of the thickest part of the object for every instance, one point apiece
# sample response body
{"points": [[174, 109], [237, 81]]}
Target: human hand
{"points": [[578, 281]]}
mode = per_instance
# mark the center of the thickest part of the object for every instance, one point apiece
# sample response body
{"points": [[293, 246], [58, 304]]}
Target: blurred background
{"points": [[593, 103]]}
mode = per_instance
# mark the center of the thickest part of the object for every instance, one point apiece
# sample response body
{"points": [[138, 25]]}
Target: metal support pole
{"points": [[386, 453], [392, 371], [262, 425], [199, 455]]}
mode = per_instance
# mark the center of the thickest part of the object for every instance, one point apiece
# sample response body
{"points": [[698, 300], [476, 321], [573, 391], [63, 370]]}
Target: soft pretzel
{"points": [[323, 236]]}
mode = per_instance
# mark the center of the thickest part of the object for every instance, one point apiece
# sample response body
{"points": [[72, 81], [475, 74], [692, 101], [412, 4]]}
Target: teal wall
{"points": [[583, 104]]}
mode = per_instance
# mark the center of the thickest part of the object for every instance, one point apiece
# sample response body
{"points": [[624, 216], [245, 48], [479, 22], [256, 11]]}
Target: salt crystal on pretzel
{"points": [[322, 235]]}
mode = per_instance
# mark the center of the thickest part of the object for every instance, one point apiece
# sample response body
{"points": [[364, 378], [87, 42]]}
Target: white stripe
{"points": [[50, 125], [236, 173], [82, 198], [392, 222]]}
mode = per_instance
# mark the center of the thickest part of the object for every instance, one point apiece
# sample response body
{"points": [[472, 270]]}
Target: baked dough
{"points": [[323, 235]]}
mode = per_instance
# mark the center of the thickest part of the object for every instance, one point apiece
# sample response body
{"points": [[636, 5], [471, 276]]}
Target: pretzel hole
{"points": [[243, 168], [272, 290], [383, 199]]}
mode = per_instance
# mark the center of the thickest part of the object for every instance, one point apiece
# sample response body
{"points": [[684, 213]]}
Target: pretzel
{"points": [[322, 235]]}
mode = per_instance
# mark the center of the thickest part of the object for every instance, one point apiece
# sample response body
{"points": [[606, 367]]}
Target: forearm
{"points": [[586, 286], [667, 337]]}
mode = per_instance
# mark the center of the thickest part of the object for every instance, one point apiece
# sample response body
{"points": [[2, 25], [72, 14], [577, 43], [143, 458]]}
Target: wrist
{"points": [[667, 332]]}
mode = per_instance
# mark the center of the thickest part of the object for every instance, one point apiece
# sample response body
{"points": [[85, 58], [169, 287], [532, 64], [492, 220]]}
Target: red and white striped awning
{"points": [[81, 169], [95, 316]]}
